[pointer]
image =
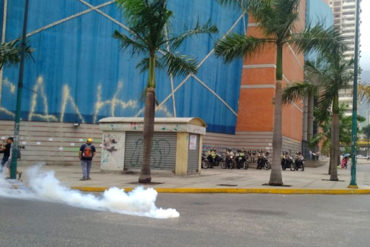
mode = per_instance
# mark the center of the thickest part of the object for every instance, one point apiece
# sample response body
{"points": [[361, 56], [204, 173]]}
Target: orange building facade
{"points": [[255, 121]]}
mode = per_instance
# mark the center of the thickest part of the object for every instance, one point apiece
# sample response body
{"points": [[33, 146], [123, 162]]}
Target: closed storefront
{"points": [[163, 156]]}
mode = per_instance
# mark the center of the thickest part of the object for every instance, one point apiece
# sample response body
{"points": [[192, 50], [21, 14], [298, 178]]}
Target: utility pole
{"points": [[13, 169], [353, 183]]}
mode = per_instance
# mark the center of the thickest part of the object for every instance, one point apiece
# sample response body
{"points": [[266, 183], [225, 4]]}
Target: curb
{"points": [[241, 190]]}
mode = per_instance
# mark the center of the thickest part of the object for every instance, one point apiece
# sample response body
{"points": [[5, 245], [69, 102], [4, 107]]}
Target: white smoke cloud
{"points": [[44, 186]]}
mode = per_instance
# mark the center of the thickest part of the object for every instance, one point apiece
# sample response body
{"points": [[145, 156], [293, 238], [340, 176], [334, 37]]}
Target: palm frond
{"points": [[276, 18], [264, 14], [297, 91], [237, 45], [179, 64], [286, 14], [10, 52], [326, 98], [207, 28], [136, 46], [324, 40], [147, 19], [143, 65], [235, 3]]}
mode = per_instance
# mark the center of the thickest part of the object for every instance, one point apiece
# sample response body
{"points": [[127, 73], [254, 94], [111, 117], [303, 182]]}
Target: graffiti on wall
{"points": [[39, 96], [112, 154], [160, 153]]}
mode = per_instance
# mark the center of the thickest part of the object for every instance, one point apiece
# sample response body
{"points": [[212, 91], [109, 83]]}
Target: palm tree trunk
{"points": [[305, 119], [148, 132], [310, 116], [277, 138], [334, 148]]}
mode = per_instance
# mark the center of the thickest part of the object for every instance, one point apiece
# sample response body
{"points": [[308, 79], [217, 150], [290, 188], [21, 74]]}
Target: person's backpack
{"points": [[87, 153]]}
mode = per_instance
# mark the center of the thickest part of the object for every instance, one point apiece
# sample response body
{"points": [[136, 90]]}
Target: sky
{"points": [[365, 35]]}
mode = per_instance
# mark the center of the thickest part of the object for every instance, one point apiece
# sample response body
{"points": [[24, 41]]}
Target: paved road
{"points": [[206, 220]]}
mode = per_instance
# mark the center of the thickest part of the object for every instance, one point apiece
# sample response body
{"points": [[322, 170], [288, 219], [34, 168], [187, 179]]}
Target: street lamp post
{"points": [[353, 183], [13, 169]]}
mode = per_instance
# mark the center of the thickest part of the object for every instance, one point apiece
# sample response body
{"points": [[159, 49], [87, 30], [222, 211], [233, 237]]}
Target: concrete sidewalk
{"points": [[312, 180]]}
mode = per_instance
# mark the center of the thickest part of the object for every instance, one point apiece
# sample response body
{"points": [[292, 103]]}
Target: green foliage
{"points": [[297, 91], [366, 131], [276, 18], [325, 40], [238, 45], [330, 74], [236, 3], [345, 128], [10, 52], [148, 35], [179, 64]]}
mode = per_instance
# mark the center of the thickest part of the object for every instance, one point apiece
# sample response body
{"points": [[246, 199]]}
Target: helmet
{"points": [[89, 140]]}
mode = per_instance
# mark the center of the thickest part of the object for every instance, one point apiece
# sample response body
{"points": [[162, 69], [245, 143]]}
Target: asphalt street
{"points": [[206, 220]]}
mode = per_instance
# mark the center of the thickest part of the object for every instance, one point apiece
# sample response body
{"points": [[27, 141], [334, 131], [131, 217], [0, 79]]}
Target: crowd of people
{"points": [[239, 158]]}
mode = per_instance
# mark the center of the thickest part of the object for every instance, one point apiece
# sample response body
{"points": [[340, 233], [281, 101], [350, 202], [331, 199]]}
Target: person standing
{"points": [[86, 154], [6, 150], [7, 158]]}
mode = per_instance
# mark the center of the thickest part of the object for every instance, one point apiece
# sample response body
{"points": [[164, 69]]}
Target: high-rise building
{"points": [[345, 21]]}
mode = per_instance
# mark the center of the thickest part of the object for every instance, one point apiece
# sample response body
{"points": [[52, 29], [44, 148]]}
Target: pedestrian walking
{"points": [[86, 154], [344, 162]]}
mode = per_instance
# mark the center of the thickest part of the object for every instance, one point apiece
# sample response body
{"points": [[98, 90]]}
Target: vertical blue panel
{"points": [[79, 73]]}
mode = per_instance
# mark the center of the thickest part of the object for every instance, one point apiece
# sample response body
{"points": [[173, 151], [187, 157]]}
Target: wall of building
{"points": [[258, 89], [52, 143], [58, 143], [79, 73]]}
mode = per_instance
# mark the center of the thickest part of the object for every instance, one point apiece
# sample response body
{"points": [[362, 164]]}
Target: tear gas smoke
{"points": [[44, 186]]}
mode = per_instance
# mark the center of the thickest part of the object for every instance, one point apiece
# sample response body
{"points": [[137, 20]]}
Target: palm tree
{"points": [[10, 53], [148, 21], [333, 73], [276, 18]]}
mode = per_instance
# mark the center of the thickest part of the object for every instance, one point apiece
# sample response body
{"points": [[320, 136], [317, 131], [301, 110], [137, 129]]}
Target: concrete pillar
{"points": [[182, 154]]}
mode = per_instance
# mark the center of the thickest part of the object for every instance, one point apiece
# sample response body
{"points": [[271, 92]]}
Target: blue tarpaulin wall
{"points": [[79, 73]]}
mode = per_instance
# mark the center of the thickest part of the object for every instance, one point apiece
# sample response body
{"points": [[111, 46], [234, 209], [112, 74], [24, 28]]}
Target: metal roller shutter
{"points": [[163, 150]]}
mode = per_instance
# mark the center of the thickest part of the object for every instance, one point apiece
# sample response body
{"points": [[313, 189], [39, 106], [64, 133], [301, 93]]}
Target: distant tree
{"points": [[366, 131]]}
